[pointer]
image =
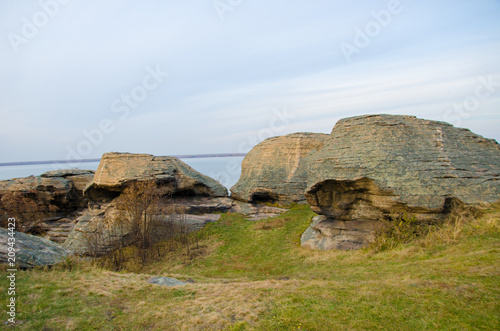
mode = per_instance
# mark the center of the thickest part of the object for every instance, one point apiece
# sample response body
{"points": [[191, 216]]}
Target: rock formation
{"points": [[61, 188], [79, 178], [31, 251], [117, 170], [378, 166], [191, 196], [273, 171]]}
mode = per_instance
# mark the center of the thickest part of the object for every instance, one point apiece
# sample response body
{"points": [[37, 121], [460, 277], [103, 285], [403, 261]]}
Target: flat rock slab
{"points": [[166, 281]]}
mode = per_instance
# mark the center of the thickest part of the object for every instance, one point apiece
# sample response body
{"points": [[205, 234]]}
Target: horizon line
{"points": [[188, 156]]}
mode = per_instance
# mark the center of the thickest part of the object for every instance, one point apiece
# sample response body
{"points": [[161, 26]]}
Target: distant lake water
{"points": [[226, 170]]}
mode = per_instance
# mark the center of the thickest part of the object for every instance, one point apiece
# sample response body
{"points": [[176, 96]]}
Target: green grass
{"points": [[255, 275]]}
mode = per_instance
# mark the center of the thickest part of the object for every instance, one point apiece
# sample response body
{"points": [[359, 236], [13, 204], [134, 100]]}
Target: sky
{"points": [[82, 78]]}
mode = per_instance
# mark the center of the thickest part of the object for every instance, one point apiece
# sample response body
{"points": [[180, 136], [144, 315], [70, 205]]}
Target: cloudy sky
{"points": [[81, 78]]}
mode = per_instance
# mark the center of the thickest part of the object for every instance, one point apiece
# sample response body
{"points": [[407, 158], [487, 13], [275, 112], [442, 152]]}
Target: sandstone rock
{"points": [[117, 170], [58, 229], [31, 251], [189, 193], [378, 166], [325, 233], [61, 188], [273, 171], [44, 191], [67, 173], [90, 235], [80, 179]]}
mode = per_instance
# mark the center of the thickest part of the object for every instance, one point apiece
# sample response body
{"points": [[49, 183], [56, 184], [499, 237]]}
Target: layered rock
{"points": [[190, 197], [117, 170], [80, 179], [92, 235], [31, 251], [273, 171], [61, 188], [378, 166]]}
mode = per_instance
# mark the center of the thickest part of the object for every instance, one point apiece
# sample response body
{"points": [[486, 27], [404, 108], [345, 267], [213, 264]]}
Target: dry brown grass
{"points": [[478, 220], [221, 305]]}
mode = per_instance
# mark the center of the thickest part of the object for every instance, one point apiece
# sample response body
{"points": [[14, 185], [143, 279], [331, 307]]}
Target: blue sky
{"points": [[208, 76]]}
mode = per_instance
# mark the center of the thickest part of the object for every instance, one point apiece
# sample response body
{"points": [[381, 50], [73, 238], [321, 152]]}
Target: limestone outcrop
{"points": [[31, 251], [274, 171], [378, 166], [117, 170]]}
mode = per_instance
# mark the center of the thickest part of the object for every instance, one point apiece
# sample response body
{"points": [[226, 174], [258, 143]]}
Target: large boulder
{"points": [[383, 166], [118, 170], [30, 250], [92, 235], [273, 171]]}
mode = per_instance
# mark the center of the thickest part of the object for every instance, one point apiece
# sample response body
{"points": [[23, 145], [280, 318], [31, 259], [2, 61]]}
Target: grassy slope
{"points": [[251, 278]]}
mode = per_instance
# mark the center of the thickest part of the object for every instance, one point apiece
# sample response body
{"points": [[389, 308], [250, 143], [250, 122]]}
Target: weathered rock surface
{"points": [[80, 179], [31, 251], [191, 196], [58, 229], [326, 233], [377, 166], [61, 188], [273, 171], [117, 170], [91, 236]]}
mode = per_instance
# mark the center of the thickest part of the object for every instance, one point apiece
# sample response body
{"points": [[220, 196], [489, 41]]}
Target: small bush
{"points": [[407, 228], [146, 225]]}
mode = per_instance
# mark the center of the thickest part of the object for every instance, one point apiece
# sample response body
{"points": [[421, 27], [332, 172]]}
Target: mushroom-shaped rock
{"points": [[117, 170], [376, 166]]}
